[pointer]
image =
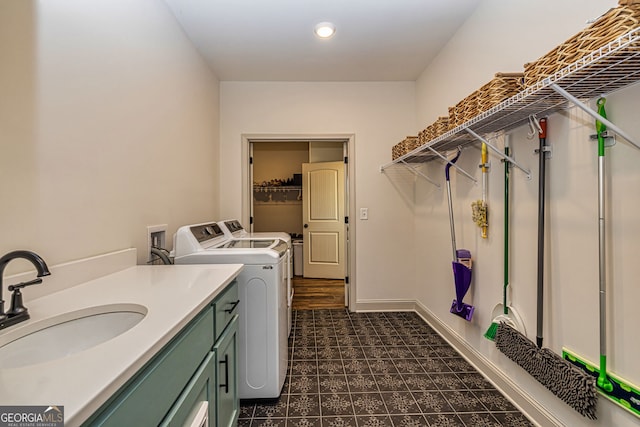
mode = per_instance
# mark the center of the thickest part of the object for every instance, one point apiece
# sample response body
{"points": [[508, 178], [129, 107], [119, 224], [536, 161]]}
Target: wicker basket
{"points": [[501, 87], [465, 110], [403, 147], [613, 24], [434, 130], [440, 126]]}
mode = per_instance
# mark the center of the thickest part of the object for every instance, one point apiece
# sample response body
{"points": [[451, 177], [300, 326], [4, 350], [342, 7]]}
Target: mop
{"points": [[612, 387], [479, 208], [567, 382], [503, 312], [461, 259]]}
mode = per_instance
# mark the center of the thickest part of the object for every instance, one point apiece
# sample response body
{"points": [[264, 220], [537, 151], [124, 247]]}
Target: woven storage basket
{"points": [[452, 118], [466, 109], [440, 126], [411, 143], [501, 87], [403, 147], [396, 151], [613, 24]]}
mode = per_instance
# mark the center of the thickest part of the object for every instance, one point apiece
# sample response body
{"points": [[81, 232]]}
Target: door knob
{"points": [[306, 226]]}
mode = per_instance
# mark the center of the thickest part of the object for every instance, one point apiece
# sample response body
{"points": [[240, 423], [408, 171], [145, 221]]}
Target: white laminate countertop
{"points": [[82, 382]]}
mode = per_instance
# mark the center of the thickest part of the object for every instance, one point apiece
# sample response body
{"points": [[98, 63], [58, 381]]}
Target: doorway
{"points": [[273, 201]]}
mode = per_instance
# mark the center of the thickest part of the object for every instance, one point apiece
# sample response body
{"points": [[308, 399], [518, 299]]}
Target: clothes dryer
{"points": [[262, 310]]}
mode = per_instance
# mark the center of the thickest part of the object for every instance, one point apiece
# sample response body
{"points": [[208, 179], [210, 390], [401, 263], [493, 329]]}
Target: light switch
{"points": [[364, 213]]}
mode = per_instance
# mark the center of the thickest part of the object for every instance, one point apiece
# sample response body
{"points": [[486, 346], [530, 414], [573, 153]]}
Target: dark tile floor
{"points": [[377, 369]]}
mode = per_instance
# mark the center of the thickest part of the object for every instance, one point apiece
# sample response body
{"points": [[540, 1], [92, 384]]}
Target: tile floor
{"points": [[377, 369]]}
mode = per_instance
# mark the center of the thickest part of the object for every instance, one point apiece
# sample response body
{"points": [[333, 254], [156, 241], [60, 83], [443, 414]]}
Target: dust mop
{"points": [[567, 382], [503, 312], [479, 208], [461, 259], [610, 386]]}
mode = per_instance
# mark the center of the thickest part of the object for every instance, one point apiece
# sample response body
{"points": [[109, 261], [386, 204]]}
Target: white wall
{"points": [[501, 36], [379, 115], [108, 123]]}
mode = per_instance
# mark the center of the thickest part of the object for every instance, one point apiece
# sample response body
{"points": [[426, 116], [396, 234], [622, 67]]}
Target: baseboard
{"points": [[520, 399], [385, 305]]}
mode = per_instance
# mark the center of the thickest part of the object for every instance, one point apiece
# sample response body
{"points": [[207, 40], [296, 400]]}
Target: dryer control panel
{"points": [[206, 232]]}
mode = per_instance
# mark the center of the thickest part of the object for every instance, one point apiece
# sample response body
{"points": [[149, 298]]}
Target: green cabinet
{"points": [[227, 402], [193, 377]]}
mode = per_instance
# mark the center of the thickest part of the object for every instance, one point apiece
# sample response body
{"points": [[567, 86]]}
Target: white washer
{"points": [[234, 230], [262, 287]]}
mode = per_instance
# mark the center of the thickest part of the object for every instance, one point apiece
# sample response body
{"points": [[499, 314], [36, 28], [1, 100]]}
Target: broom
{"points": [[567, 382], [503, 312]]}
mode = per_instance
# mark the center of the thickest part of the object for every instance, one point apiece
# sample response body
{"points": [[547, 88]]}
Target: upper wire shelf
{"points": [[612, 67]]}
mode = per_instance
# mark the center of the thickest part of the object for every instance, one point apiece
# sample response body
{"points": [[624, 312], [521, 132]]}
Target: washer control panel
{"points": [[206, 232]]}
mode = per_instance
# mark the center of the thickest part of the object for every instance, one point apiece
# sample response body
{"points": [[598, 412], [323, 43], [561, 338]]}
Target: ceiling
{"points": [[273, 40]]}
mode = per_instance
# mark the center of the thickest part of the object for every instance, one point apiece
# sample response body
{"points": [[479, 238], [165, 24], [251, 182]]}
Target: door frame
{"points": [[350, 207]]}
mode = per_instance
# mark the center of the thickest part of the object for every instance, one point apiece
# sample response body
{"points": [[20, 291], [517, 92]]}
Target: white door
{"points": [[323, 220]]}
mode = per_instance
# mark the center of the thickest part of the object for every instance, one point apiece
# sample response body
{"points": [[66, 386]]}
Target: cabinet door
{"points": [[227, 402], [200, 390]]}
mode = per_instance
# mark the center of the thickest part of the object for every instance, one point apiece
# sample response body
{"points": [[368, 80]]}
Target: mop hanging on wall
{"points": [[479, 209], [610, 386], [461, 259]]}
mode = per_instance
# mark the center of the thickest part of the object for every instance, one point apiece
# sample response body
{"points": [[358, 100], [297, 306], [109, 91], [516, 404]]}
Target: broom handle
{"points": [[507, 165], [602, 381], [541, 211], [453, 229]]}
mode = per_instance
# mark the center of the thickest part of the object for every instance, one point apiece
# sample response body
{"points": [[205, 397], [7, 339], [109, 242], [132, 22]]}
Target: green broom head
{"points": [[491, 332], [570, 384]]}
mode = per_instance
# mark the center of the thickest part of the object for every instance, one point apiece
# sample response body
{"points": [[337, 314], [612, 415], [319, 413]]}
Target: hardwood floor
{"points": [[312, 294]]}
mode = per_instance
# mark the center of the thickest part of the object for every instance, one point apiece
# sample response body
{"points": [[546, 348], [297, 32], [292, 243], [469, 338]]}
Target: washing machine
{"points": [[262, 287], [234, 230]]}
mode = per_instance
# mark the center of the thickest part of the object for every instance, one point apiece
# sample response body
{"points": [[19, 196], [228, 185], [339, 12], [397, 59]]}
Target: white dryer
{"points": [[262, 287], [234, 230]]}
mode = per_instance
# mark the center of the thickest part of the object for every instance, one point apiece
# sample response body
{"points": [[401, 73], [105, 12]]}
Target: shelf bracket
{"points": [[417, 172], [453, 164], [499, 153], [566, 95]]}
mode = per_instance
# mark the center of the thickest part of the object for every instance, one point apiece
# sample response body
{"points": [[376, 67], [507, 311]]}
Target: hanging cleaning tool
{"points": [[569, 383], [461, 258], [503, 312], [613, 388], [479, 207]]}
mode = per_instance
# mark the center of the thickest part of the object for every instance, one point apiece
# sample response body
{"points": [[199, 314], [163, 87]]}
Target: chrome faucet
{"points": [[18, 312]]}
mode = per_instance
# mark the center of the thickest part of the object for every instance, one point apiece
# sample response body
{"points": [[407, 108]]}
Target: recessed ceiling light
{"points": [[324, 30]]}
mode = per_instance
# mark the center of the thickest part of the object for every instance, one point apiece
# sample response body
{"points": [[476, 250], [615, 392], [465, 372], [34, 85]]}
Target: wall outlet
{"points": [[364, 213], [157, 238]]}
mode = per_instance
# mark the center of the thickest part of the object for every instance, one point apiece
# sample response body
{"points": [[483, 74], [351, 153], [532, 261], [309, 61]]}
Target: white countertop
{"points": [[82, 382]]}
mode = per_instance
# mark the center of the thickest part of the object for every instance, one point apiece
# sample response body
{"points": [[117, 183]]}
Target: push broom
{"points": [[610, 386], [567, 382]]}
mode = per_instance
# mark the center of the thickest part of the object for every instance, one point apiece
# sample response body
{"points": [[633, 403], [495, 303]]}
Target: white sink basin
{"points": [[67, 334]]}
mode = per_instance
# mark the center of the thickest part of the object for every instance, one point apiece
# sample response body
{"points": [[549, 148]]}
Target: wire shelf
{"points": [[610, 68]]}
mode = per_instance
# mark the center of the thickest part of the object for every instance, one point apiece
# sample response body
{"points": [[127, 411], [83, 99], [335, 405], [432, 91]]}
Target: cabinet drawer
{"points": [[227, 402], [226, 306], [200, 389], [146, 399]]}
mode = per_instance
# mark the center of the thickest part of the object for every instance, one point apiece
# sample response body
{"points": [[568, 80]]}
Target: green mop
{"points": [[613, 388], [567, 382]]}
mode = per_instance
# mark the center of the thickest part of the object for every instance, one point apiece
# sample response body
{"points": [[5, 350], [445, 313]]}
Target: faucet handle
{"points": [[24, 284], [17, 307]]}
